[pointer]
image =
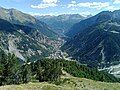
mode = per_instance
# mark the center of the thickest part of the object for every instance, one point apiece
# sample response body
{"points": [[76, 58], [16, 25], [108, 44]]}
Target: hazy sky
{"points": [[55, 7]]}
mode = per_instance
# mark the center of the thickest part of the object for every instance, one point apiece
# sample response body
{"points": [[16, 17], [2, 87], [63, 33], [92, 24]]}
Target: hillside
{"points": [[70, 83], [25, 41], [26, 36], [96, 44], [103, 16], [17, 17], [48, 74]]}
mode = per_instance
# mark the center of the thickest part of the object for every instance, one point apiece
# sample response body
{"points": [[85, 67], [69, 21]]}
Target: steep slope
{"points": [[101, 17], [17, 17], [61, 23], [24, 41], [38, 37], [97, 45]]}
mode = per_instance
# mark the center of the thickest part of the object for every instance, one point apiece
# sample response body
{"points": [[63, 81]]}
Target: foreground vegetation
{"points": [[47, 72], [12, 72], [70, 83]]}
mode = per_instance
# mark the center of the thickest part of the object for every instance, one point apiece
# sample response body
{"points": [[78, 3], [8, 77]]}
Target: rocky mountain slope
{"points": [[26, 36], [101, 17], [61, 23], [98, 41], [17, 17]]}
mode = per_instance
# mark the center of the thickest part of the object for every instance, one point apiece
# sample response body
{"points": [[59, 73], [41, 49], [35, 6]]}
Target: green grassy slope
{"points": [[70, 83]]}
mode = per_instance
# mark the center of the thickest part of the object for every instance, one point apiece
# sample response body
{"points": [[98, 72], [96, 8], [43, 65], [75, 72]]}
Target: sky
{"points": [[56, 7]]}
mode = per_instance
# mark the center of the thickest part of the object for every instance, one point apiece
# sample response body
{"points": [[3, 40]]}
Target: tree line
{"points": [[13, 72]]}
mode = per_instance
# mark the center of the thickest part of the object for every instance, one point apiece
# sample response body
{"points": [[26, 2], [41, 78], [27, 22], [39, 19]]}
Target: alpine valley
{"points": [[94, 39], [61, 24], [59, 51]]}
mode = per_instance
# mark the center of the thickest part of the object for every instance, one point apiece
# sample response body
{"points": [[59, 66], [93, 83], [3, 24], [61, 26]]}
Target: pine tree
{"points": [[26, 72], [52, 70], [1, 72], [39, 72], [13, 70], [55, 71], [4, 65]]}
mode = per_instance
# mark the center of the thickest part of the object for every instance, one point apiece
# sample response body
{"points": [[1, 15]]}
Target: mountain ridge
{"points": [[97, 42], [106, 15], [17, 17], [61, 23], [26, 36]]}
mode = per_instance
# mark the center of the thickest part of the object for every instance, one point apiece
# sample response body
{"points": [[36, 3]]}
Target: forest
{"points": [[14, 72]]}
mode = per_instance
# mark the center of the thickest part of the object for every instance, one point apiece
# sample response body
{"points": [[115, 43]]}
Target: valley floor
{"points": [[70, 83]]}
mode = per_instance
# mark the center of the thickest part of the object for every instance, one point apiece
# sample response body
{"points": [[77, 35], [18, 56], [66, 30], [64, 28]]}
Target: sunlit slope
{"points": [[68, 83]]}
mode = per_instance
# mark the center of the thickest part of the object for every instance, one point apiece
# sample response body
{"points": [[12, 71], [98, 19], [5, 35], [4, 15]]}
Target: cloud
{"points": [[111, 8], [46, 4], [74, 9], [50, 1], [97, 5], [73, 2], [116, 2]]}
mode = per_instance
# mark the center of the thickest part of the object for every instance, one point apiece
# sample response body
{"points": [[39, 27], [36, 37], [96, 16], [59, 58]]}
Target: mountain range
{"points": [[17, 17], [61, 24], [94, 40]]}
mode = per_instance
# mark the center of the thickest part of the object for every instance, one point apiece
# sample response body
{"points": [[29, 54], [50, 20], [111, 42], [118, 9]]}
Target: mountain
{"points": [[26, 36], [17, 17], [61, 23], [97, 42], [101, 17], [23, 41]]}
